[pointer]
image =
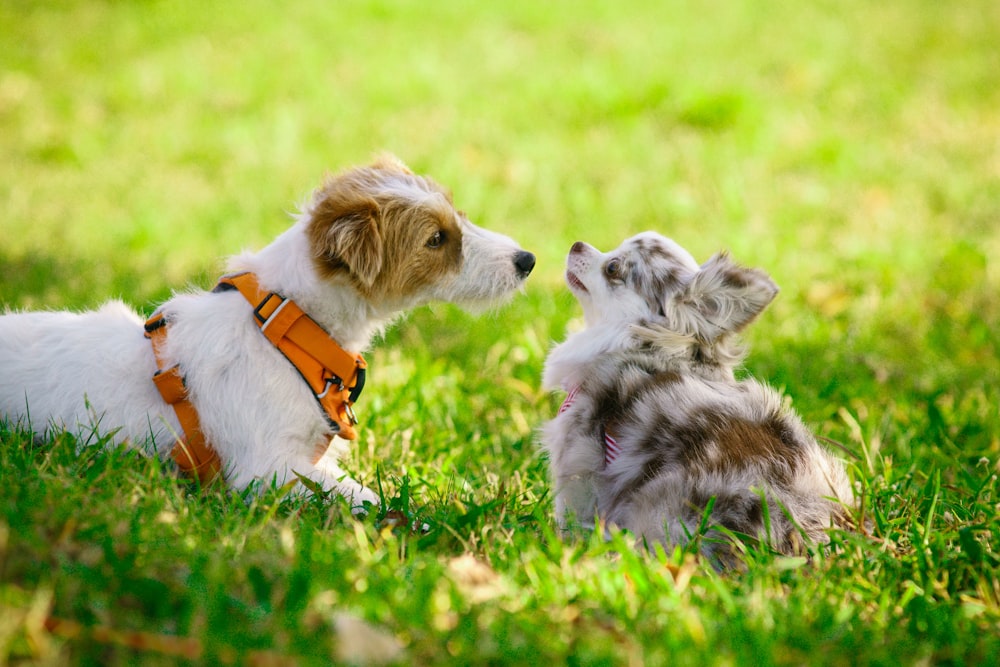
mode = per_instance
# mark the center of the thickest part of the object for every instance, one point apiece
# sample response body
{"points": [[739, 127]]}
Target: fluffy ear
{"points": [[721, 298], [347, 222]]}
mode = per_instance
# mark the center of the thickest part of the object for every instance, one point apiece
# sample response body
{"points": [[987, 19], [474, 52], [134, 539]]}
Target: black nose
{"points": [[578, 246], [525, 262]]}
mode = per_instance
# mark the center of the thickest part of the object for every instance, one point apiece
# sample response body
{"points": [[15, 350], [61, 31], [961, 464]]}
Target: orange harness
{"points": [[334, 376]]}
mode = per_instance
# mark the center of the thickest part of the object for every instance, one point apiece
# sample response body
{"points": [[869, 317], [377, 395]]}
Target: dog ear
{"points": [[722, 298], [351, 235]]}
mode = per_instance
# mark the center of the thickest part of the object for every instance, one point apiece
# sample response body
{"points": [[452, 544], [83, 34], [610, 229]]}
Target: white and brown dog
{"points": [[656, 434], [372, 243]]}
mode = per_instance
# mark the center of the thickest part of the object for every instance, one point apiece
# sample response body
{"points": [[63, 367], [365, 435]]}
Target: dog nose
{"points": [[524, 262], [578, 247]]}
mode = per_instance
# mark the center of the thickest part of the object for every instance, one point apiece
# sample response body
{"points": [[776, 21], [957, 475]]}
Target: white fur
{"points": [[655, 366], [90, 373]]}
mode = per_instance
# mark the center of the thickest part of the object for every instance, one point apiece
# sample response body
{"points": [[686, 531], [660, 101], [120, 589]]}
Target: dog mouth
{"points": [[574, 282]]}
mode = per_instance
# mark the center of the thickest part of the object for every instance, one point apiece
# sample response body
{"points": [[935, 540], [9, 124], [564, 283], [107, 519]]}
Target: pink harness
{"points": [[611, 448]]}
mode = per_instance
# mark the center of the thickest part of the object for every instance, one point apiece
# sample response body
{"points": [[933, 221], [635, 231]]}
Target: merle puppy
{"points": [[656, 434]]}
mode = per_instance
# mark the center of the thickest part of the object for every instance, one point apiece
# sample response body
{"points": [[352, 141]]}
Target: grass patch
{"points": [[849, 149]]}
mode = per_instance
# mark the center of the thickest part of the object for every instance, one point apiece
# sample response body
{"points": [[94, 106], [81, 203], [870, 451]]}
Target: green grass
{"points": [[850, 148]]}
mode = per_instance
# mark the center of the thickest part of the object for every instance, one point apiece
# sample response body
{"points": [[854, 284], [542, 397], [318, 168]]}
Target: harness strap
{"points": [[192, 454], [335, 376], [608, 440], [611, 447]]}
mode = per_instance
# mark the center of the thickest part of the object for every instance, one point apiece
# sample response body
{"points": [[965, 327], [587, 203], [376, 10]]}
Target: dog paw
{"points": [[363, 500]]}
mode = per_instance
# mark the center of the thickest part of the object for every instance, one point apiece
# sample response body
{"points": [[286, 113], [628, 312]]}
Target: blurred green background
{"points": [[817, 139], [850, 148]]}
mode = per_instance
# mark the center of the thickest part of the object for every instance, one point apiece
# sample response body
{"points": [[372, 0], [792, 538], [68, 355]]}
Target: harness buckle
{"points": [[359, 384], [257, 312], [332, 381], [156, 321], [349, 411]]}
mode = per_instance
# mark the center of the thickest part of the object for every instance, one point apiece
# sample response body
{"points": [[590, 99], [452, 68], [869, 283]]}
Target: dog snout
{"points": [[577, 248], [524, 262]]}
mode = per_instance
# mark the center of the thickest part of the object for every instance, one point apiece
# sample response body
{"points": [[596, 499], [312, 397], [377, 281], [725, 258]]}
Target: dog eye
{"points": [[436, 239], [613, 269]]}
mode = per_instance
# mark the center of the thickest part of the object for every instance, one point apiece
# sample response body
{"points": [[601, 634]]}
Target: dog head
{"points": [[399, 240], [656, 287]]}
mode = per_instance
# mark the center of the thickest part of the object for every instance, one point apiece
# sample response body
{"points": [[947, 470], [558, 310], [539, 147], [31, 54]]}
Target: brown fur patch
{"points": [[344, 231], [372, 225], [740, 443]]}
